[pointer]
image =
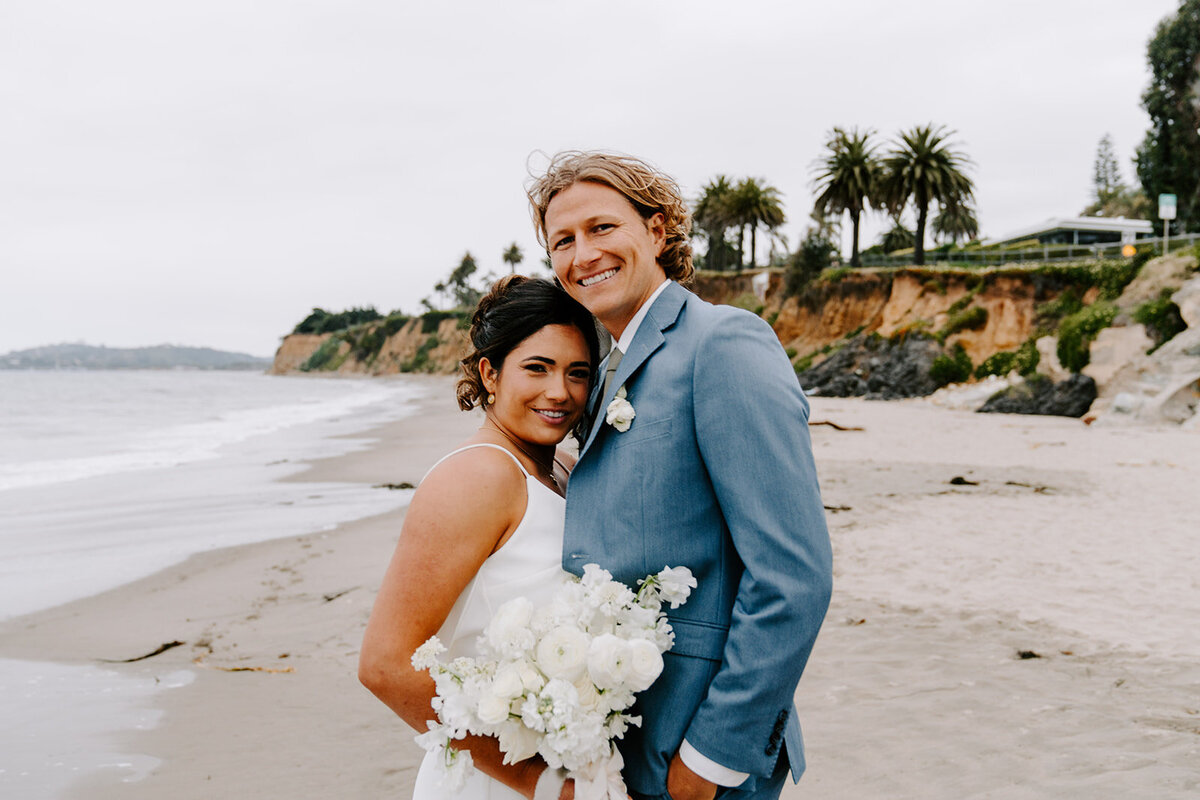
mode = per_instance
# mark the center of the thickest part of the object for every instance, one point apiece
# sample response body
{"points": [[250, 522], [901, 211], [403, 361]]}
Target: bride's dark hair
{"points": [[514, 309]]}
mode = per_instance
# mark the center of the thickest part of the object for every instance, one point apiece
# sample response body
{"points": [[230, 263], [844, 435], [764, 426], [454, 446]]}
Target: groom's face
{"points": [[604, 253]]}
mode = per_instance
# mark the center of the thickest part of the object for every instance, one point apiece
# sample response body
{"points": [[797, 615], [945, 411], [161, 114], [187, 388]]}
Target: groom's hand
{"points": [[683, 784]]}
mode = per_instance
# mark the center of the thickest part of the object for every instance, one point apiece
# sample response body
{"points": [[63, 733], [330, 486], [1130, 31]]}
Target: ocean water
{"points": [[106, 477]]}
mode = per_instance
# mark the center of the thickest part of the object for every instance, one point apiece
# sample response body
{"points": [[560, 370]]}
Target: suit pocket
{"points": [[642, 432], [699, 639]]}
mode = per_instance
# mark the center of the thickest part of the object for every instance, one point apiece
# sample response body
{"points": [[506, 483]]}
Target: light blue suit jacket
{"points": [[716, 474]]}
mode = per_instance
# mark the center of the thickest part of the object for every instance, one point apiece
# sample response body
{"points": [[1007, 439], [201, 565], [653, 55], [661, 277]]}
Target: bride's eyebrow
{"points": [[543, 359]]}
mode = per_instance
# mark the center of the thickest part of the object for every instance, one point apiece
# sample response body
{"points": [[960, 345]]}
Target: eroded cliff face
{"points": [[889, 303], [295, 350], [371, 350]]}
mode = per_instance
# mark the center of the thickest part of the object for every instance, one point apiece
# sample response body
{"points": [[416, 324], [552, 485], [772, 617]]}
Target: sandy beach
{"points": [[1013, 617]]}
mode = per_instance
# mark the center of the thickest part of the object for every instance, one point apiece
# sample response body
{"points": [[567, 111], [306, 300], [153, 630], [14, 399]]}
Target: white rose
{"points": [[493, 709], [645, 664], [589, 697], [531, 679], [562, 653], [608, 661], [620, 412], [508, 632], [508, 683]]}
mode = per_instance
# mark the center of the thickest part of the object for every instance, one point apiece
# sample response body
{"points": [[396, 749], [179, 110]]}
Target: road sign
{"points": [[1166, 206]]}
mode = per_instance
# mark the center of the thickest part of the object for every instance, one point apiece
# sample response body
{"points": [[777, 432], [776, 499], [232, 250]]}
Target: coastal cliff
{"points": [[433, 343], [878, 332]]}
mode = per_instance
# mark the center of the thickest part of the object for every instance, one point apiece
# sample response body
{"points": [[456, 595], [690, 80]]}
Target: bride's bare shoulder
{"points": [[472, 484]]}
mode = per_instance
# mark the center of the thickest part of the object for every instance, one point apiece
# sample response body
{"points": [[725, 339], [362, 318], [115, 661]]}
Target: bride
{"points": [[486, 523]]}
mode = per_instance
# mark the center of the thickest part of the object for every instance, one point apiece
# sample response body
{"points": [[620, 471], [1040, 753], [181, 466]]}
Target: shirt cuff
{"points": [[708, 769]]}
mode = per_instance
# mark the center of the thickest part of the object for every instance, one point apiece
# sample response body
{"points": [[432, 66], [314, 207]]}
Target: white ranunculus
{"points": [[562, 653], [508, 632], [620, 412], [676, 584], [645, 664], [608, 661]]}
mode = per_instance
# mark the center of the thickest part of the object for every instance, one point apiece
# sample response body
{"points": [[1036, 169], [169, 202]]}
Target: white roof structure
{"points": [[1129, 229]]}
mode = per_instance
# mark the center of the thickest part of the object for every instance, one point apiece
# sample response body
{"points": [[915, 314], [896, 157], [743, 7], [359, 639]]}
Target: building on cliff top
{"points": [[1080, 230]]}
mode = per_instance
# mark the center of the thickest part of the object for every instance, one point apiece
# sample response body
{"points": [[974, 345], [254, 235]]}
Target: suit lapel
{"points": [[649, 338]]}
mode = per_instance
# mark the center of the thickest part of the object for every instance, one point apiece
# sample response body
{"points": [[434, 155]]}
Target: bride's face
{"points": [[541, 388]]}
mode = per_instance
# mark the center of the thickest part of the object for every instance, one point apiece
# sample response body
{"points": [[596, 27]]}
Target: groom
{"points": [[698, 456]]}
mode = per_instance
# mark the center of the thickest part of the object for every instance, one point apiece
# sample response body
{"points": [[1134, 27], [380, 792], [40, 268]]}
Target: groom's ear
{"points": [[657, 227]]}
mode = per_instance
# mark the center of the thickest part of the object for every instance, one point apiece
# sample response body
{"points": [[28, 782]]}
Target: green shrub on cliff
{"points": [[835, 274], [749, 301], [1161, 318], [325, 357], [997, 364], [954, 367], [1028, 357], [420, 360], [1076, 332], [430, 320], [810, 261], [972, 319], [1024, 360], [322, 321], [1054, 310], [394, 323]]}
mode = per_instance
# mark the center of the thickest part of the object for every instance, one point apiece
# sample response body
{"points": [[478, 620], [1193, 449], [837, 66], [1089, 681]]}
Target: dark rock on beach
{"points": [[875, 368], [1040, 395]]}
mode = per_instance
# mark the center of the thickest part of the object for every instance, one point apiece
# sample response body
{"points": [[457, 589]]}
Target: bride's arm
{"points": [[457, 517]]}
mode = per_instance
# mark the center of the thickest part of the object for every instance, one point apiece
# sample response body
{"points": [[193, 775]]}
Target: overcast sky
{"points": [[206, 173]]}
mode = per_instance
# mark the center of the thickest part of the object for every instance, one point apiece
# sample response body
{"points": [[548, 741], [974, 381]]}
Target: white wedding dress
{"points": [[529, 564]]}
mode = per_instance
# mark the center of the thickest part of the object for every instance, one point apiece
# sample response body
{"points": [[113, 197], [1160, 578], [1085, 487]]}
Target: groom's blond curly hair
{"points": [[647, 189]]}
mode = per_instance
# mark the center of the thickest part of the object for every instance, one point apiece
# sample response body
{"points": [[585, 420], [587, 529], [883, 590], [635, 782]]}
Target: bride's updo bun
{"points": [[514, 309]]}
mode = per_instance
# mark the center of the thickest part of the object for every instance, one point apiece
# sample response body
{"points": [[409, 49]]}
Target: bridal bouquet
{"points": [[557, 680]]}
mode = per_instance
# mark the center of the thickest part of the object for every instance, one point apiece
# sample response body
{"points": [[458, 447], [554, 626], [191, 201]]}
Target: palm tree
{"points": [[922, 167], [956, 219], [896, 238], [755, 204], [714, 215], [848, 179], [513, 256]]}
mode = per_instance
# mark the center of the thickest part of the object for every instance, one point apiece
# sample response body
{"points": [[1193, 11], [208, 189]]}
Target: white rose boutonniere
{"points": [[620, 412]]}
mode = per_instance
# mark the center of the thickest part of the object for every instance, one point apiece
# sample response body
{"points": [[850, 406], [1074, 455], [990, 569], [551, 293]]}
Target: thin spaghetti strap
{"points": [[506, 452]]}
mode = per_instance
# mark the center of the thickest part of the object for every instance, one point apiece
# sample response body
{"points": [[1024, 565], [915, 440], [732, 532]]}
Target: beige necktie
{"points": [[614, 359]]}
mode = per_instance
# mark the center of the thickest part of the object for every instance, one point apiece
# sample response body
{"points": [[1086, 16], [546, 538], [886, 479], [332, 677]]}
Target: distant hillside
{"points": [[163, 356]]}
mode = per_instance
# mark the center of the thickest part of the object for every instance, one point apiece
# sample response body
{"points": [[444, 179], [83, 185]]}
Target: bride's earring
{"points": [[491, 399]]}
